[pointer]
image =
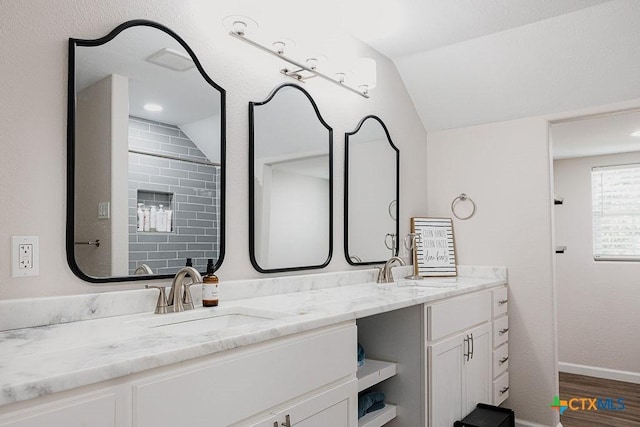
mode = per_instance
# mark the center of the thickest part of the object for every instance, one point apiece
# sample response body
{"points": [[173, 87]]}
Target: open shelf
{"points": [[373, 372], [378, 418]]}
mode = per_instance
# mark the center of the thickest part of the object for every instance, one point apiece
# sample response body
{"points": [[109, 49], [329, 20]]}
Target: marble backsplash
{"points": [[32, 312]]}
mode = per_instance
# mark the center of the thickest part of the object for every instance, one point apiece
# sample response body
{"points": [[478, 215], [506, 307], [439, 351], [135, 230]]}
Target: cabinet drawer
{"points": [[248, 381], [500, 331], [500, 301], [501, 388], [500, 360], [458, 314]]}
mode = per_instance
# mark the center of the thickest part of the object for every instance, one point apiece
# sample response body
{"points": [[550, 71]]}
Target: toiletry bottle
{"points": [[161, 221], [140, 216], [147, 220], [169, 218], [189, 263], [153, 218], [210, 287]]}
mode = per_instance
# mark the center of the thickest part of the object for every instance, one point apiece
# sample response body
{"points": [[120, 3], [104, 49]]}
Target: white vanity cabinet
{"points": [[458, 357], [248, 386], [307, 379]]}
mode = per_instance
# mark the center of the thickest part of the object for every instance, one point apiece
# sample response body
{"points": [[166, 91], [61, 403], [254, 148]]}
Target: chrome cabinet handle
{"points": [[467, 344], [504, 359], [472, 346], [504, 390], [503, 301], [287, 421], [503, 331]]}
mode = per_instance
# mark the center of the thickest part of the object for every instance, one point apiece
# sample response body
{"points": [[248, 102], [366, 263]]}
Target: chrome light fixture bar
{"points": [[296, 73]]}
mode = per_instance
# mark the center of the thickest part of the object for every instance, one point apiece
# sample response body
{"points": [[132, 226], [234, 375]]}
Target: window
{"points": [[616, 212]]}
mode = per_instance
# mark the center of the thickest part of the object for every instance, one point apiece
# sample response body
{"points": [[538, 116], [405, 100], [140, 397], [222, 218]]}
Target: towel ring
{"points": [[463, 198]]}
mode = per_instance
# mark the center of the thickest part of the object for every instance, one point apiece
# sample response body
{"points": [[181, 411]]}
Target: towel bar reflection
{"points": [[95, 242], [463, 198]]}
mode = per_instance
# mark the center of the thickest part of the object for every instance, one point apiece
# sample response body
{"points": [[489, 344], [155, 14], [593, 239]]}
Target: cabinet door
{"points": [[98, 411], [446, 382], [334, 416], [477, 370], [335, 407]]}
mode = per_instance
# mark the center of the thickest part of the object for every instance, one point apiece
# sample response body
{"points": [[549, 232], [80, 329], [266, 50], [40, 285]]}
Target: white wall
{"points": [[33, 124], [504, 167], [96, 100], [598, 313], [372, 172], [298, 226]]}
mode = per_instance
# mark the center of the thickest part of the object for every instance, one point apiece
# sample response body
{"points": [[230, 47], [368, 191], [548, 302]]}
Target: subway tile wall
{"points": [[196, 198]]}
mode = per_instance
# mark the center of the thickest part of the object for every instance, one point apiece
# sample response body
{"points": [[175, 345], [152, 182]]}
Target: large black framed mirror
{"points": [[146, 154], [290, 183], [371, 194]]}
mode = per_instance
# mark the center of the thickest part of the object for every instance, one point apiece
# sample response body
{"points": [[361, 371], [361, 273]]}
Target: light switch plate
{"points": [[25, 256], [104, 210]]}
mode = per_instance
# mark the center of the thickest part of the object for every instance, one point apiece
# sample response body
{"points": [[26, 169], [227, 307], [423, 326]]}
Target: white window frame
{"points": [[615, 196]]}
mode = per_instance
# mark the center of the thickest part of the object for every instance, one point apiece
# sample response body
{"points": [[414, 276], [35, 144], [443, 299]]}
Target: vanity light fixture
{"points": [[239, 26], [154, 108], [636, 134]]}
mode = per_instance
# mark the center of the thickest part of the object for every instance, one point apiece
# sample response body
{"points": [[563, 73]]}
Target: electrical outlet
{"points": [[25, 256]]}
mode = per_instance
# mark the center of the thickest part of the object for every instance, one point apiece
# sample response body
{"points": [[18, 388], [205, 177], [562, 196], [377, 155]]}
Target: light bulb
{"points": [[279, 47], [312, 63], [239, 27]]}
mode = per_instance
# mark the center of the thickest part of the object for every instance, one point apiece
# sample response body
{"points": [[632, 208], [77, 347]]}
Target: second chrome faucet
{"points": [[384, 273], [180, 295]]}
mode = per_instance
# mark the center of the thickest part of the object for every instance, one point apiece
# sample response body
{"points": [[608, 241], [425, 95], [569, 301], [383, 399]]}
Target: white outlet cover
{"points": [[104, 210], [16, 241]]}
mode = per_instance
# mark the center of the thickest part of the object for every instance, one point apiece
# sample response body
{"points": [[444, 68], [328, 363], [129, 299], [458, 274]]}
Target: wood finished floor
{"points": [[582, 386]]}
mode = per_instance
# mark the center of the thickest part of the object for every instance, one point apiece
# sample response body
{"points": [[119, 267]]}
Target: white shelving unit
{"points": [[370, 374], [378, 418]]}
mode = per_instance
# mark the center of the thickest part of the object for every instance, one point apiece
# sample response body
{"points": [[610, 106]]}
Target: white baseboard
{"points": [[523, 423], [593, 371]]}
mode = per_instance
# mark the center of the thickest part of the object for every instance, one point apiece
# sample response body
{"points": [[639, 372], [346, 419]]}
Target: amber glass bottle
{"points": [[209, 287]]}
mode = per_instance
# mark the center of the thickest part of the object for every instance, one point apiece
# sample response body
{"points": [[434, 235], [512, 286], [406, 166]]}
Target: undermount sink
{"points": [[204, 320]]}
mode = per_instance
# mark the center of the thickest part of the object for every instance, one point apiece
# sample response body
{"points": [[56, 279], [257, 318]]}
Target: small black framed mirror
{"points": [[290, 183], [146, 156], [371, 194]]}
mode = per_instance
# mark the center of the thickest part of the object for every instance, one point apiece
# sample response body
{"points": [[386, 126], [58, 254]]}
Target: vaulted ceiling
{"points": [[467, 62]]}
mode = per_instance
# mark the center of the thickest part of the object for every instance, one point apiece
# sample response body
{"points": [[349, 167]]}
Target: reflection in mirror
{"points": [[145, 156], [290, 190], [372, 168]]}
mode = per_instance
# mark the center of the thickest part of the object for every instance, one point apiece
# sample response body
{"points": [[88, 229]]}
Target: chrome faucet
{"points": [[180, 295], [384, 273]]}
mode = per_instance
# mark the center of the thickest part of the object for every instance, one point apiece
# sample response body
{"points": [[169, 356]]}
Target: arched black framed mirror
{"points": [[290, 183], [146, 154], [371, 194]]}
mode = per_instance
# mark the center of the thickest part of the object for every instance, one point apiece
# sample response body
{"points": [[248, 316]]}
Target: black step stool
{"points": [[488, 416]]}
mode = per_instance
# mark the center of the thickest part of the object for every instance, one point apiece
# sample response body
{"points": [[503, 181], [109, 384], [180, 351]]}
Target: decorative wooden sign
{"points": [[435, 253]]}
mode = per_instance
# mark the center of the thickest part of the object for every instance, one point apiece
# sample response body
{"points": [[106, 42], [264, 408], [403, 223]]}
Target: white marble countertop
{"points": [[39, 360]]}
